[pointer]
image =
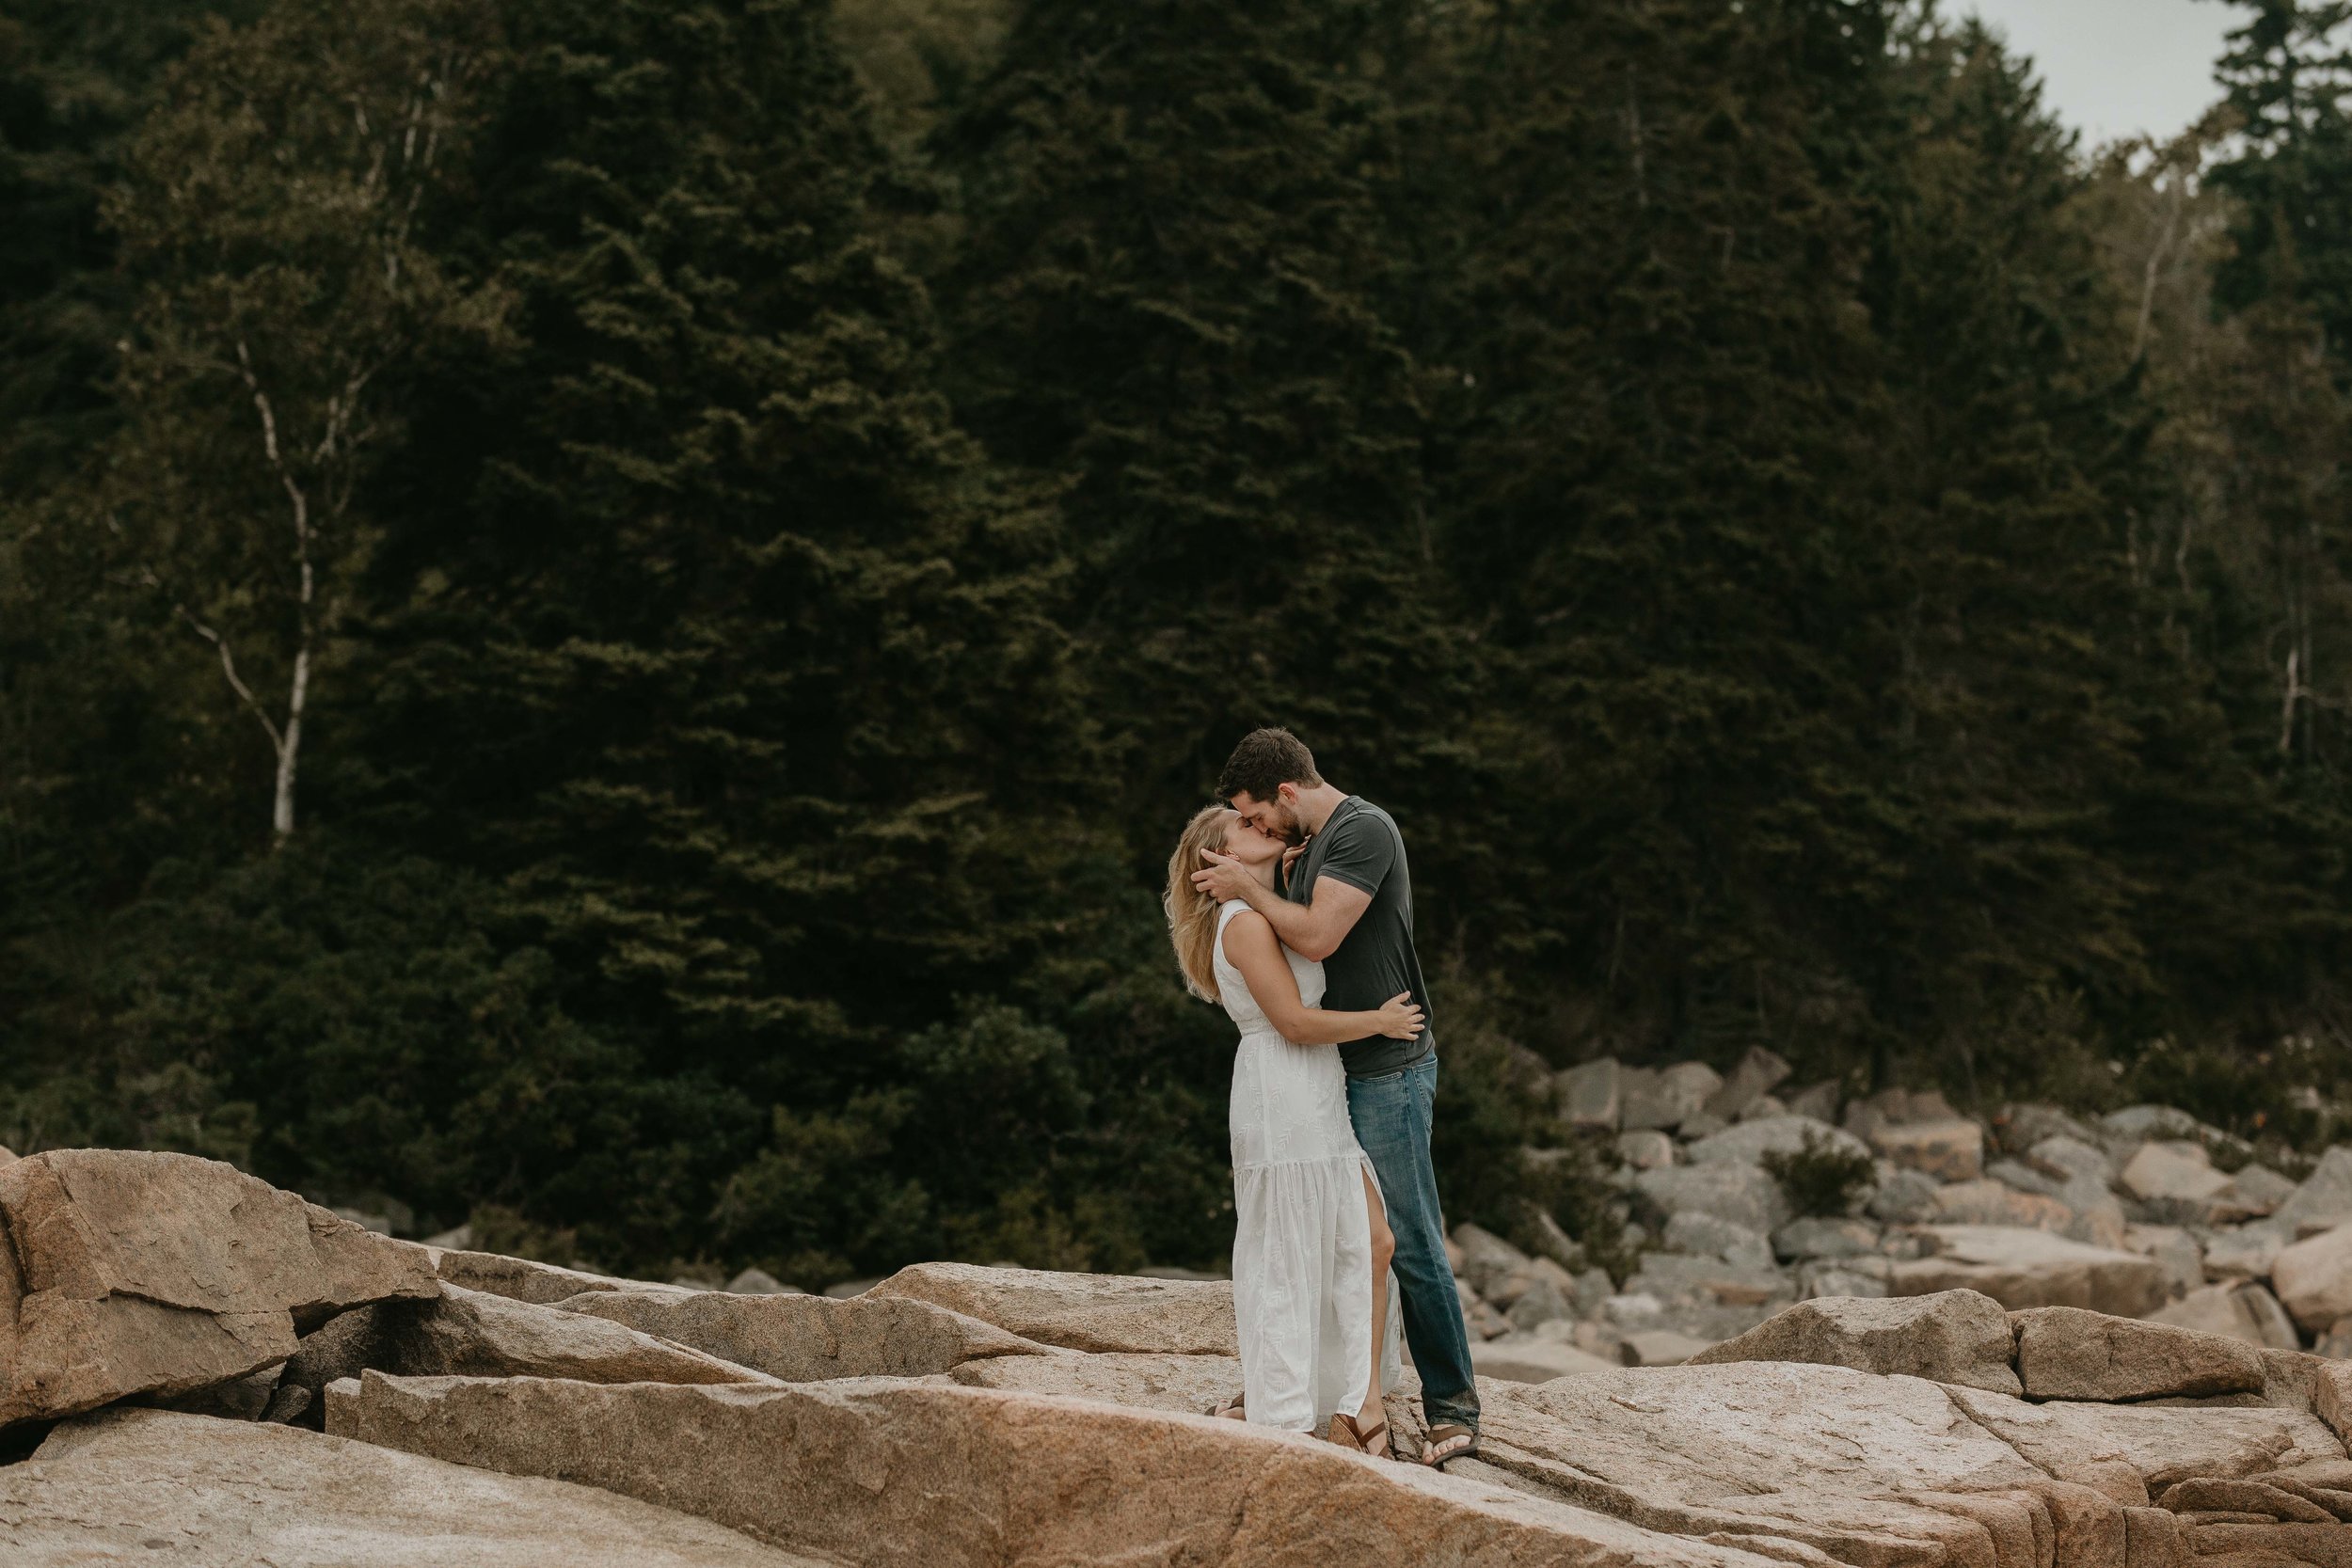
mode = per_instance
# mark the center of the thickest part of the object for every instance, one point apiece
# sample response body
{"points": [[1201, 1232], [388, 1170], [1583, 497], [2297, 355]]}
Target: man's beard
{"points": [[1287, 826]]}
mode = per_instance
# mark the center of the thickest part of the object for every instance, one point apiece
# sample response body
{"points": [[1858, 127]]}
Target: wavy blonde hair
{"points": [[1192, 913]]}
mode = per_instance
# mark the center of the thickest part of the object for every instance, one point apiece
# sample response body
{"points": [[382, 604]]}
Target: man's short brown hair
{"points": [[1266, 761]]}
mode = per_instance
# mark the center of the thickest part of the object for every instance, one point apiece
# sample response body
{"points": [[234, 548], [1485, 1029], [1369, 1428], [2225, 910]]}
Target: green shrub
{"points": [[1820, 1178]]}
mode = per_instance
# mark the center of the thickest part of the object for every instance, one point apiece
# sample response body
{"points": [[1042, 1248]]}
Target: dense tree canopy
{"points": [[608, 610]]}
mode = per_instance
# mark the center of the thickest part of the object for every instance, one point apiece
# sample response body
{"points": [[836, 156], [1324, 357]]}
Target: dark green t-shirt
{"points": [[1360, 846]]}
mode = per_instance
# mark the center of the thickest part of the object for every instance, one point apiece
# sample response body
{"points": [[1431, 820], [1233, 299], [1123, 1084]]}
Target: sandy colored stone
{"points": [[1855, 1467], [1750, 1141], [1743, 1193], [2204, 1493], [131, 1273], [1947, 1148], [2021, 1268], [1646, 1150], [2064, 1352], [801, 1338], [1661, 1347], [2247, 1540], [2171, 1168], [889, 1473], [1590, 1094], [1080, 1311], [2254, 1192], [1757, 1074], [2331, 1397], [1952, 1336], [1193, 1384], [1817, 1237], [1668, 1098], [1525, 1358], [2325, 1197], [1986, 1201], [1492, 1264], [475, 1334], [2245, 1251], [521, 1279], [2158, 1444], [2314, 1278], [147, 1486], [2151, 1539]]}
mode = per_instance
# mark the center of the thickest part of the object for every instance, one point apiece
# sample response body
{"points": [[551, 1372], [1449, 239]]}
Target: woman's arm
{"points": [[1249, 943]]}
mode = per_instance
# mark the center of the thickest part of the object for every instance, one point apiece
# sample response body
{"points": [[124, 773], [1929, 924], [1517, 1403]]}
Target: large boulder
{"points": [[1667, 1098], [2246, 1251], [1817, 1237], [895, 1474], [1950, 1149], [475, 1334], [125, 1273], [2324, 1197], [1987, 1201], [472, 1333], [522, 1279], [2139, 1449], [2021, 1268], [2176, 1252], [1590, 1094], [2314, 1278], [2064, 1352], [2174, 1169], [2331, 1397], [154, 1486], [1953, 1336], [1528, 1358], [1758, 1074], [1706, 1236], [1794, 1459], [2245, 1310], [1488, 1260], [1750, 1141], [1745, 1195], [1185, 1382], [804, 1339], [1080, 1311]]}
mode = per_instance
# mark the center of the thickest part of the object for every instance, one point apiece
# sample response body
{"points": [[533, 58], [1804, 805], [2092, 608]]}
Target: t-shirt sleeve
{"points": [[1362, 853]]}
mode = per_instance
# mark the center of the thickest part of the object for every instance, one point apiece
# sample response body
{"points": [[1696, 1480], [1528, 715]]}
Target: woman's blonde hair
{"points": [[1192, 913]]}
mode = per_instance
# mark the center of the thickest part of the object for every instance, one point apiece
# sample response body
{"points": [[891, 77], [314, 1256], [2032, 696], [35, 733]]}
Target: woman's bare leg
{"points": [[1383, 1250]]}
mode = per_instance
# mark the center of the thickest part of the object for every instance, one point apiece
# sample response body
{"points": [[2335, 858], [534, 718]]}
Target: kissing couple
{"points": [[1292, 905]]}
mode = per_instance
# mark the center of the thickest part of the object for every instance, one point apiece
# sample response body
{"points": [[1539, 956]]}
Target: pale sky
{"points": [[2117, 67]]}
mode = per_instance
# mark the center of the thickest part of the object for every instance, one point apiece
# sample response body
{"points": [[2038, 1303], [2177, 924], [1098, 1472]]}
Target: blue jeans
{"points": [[1392, 1117]]}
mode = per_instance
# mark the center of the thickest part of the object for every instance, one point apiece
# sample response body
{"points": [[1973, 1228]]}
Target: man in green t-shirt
{"points": [[1349, 903]]}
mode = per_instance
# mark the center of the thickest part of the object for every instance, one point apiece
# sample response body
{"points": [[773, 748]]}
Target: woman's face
{"points": [[1246, 844]]}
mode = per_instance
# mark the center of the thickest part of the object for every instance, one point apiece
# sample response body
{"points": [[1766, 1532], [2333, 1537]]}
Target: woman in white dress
{"points": [[1311, 1242]]}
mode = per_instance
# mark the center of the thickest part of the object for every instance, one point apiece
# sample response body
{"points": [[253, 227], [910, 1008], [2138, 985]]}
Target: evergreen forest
{"points": [[608, 608]]}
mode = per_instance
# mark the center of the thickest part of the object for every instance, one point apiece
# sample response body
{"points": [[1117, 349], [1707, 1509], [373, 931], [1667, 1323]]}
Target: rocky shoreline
{"points": [[2132, 1214], [197, 1368]]}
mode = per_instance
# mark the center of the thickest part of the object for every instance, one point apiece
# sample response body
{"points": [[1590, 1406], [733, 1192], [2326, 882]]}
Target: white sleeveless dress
{"points": [[1302, 1242]]}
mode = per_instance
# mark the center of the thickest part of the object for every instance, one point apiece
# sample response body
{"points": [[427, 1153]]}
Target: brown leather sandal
{"points": [[1439, 1435], [1347, 1434], [1230, 1409]]}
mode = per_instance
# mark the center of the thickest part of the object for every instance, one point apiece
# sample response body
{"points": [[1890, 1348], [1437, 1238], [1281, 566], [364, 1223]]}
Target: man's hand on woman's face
{"points": [[1223, 878]]}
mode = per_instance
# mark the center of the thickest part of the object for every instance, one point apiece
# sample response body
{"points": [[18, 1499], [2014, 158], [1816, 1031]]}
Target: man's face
{"points": [[1276, 818]]}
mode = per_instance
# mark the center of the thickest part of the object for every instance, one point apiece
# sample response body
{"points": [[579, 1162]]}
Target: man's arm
{"points": [[1312, 930], [1356, 861]]}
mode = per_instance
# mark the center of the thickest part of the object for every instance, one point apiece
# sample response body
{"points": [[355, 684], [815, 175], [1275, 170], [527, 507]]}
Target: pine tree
{"points": [[1657, 484], [1166, 308], [2288, 79], [714, 640]]}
